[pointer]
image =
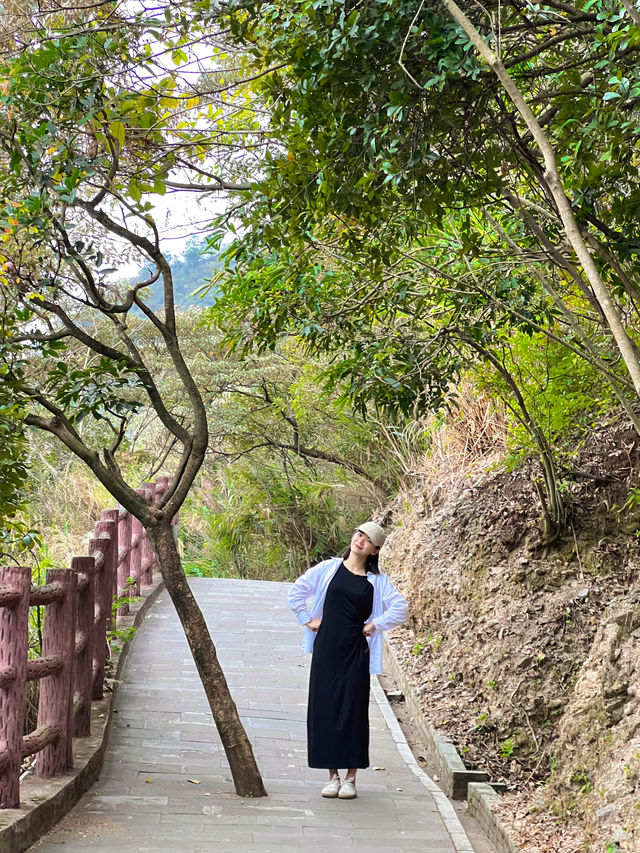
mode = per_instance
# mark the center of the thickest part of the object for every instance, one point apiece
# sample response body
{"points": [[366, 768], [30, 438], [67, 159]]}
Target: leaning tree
{"points": [[101, 112]]}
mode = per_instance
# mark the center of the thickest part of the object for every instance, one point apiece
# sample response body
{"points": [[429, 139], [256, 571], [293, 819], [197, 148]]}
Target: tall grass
{"points": [[440, 452]]}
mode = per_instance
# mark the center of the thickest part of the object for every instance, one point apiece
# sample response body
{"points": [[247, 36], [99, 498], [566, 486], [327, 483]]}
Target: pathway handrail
{"points": [[78, 604]]}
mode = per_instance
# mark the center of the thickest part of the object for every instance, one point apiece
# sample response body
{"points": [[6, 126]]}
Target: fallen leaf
{"points": [[149, 781], [194, 781], [378, 768]]}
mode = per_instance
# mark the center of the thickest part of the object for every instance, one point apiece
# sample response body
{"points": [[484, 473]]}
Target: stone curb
{"points": [[455, 779], [454, 776], [45, 801], [482, 798], [447, 812]]}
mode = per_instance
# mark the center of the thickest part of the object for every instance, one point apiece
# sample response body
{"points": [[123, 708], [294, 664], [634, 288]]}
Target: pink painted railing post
{"points": [[162, 485], [83, 670], [136, 552], [124, 559], [14, 627], [146, 551], [112, 516], [100, 549], [137, 537], [56, 690]]}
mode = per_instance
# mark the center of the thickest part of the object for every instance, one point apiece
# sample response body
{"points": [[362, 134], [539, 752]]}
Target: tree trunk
{"points": [[554, 515], [244, 769]]}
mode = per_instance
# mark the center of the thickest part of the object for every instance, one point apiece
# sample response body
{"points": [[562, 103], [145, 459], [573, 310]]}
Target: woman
{"points": [[353, 603]]}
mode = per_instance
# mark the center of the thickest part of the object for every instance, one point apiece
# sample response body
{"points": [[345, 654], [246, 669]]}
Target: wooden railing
{"points": [[78, 605]]}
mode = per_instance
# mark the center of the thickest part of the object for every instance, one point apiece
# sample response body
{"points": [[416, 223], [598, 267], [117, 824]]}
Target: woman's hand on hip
{"points": [[368, 629], [313, 624]]}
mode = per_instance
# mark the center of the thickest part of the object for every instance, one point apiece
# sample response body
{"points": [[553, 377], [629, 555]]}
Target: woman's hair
{"points": [[371, 564]]}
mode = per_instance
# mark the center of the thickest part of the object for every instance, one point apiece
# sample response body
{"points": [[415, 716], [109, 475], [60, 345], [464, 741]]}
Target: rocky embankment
{"points": [[526, 656]]}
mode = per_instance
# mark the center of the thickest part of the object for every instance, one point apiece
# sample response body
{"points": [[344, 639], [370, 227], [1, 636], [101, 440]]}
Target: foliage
{"points": [[290, 471], [400, 333], [118, 636], [404, 226], [273, 522], [65, 502], [78, 160], [563, 392], [281, 451], [13, 466], [204, 568], [392, 217], [15, 533], [391, 107], [376, 152], [507, 747]]}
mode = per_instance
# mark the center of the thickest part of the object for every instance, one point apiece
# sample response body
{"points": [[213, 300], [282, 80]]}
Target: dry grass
{"points": [[64, 505], [441, 454], [478, 427]]}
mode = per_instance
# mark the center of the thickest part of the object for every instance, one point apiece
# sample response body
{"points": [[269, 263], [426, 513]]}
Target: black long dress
{"points": [[338, 710]]}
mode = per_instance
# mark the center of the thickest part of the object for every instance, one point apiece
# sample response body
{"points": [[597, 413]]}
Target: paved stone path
{"points": [[166, 784]]}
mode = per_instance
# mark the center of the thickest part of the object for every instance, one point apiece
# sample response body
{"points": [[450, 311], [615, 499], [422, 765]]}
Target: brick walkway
{"points": [[166, 787]]}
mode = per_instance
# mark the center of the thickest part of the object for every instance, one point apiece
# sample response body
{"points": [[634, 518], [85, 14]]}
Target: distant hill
{"points": [[191, 269]]}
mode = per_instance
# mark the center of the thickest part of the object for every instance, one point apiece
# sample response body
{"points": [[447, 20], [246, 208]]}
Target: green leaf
{"points": [[117, 130], [134, 190]]}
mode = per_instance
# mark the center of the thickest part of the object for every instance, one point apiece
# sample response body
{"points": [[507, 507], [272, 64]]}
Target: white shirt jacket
{"points": [[390, 608]]}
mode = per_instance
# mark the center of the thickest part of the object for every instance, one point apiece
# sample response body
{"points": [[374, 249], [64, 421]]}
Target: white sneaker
{"points": [[332, 788], [348, 790]]}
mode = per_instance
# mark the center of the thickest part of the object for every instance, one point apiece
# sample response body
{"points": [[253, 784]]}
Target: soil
{"points": [[525, 655]]}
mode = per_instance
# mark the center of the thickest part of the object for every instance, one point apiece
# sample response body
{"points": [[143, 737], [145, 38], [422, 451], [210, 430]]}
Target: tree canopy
{"points": [[442, 182]]}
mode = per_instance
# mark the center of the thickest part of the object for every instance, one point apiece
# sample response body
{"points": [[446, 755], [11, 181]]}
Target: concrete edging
{"points": [[455, 779], [482, 798], [45, 801], [454, 776], [445, 808]]}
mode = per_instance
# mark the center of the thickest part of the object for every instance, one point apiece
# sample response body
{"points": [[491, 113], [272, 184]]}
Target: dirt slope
{"points": [[527, 657]]}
